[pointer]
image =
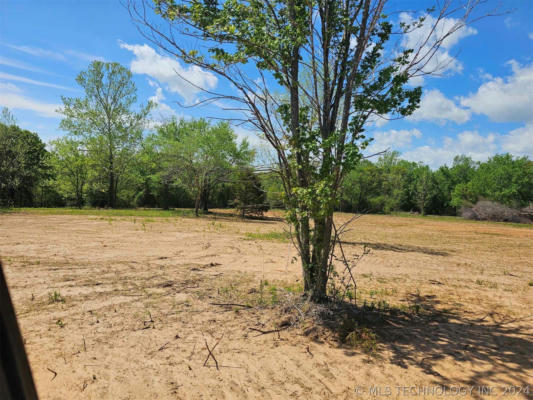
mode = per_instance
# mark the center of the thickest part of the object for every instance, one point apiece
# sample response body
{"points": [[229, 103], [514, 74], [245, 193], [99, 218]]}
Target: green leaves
{"points": [[105, 122], [23, 162], [199, 155]]}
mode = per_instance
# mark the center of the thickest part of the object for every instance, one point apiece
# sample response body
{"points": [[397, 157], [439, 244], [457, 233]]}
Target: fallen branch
{"points": [[163, 347], [232, 304], [53, 372], [261, 332], [192, 352], [211, 352]]}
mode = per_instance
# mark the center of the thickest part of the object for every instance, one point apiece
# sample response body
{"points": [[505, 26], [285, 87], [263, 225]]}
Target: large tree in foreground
{"points": [[106, 121], [310, 75]]}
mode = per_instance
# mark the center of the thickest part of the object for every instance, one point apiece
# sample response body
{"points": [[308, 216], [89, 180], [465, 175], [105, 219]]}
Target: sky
{"points": [[481, 106]]}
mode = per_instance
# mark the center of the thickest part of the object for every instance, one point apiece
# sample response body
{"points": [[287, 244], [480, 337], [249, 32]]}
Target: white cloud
{"points": [[470, 143], [530, 36], [510, 23], [425, 37], [392, 140], [19, 102], [84, 56], [253, 136], [8, 87], [379, 121], [18, 64], [162, 110], [11, 97], [65, 55], [17, 78], [519, 141], [169, 72], [436, 107], [505, 100], [39, 52]]}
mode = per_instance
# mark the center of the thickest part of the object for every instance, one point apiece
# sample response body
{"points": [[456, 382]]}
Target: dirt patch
{"points": [[126, 308]]}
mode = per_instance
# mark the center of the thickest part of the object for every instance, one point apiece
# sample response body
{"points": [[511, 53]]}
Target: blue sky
{"points": [[482, 106]]}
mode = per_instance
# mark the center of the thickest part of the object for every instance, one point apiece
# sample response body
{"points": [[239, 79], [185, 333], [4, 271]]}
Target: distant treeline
{"points": [[392, 184], [186, 164]]}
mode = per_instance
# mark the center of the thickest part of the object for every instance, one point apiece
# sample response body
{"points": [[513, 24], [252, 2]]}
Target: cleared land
{"points": [[122, 307]]}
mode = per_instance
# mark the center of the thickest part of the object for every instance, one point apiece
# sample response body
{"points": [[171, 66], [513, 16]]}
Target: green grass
{"points": [[133, 212], [279, 236], [452, 218]]}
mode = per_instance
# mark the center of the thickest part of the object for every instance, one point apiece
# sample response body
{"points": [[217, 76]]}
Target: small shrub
{"points": [[527, 212], [485, 210], [468, 213], [490, 285], [492, 211], [55, 297], [353, 335]]}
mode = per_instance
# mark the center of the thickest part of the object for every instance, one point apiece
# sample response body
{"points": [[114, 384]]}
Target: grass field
{"points": [[124, 303]]}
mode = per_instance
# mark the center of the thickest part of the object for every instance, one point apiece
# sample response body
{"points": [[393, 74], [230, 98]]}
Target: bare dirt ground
{"points": [[134, 308]]}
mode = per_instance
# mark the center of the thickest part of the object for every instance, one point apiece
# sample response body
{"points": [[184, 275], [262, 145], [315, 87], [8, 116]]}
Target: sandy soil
{"points": [[134, 309]]}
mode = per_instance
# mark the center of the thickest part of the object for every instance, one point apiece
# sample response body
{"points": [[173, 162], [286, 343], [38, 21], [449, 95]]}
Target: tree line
{"points": [[105, 159], [392, 184], [196, 164]]}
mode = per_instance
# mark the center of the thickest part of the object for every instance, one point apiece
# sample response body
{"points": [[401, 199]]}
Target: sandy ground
{"points": [[136, 309]]}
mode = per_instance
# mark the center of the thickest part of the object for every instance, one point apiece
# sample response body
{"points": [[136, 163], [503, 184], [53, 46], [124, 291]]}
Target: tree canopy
{"points": [[337, 68], [105, 120]]}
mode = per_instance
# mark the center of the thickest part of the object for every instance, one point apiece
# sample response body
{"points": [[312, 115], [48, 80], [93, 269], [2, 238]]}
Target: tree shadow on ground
{"points": [[398, 248], [490, 350]]}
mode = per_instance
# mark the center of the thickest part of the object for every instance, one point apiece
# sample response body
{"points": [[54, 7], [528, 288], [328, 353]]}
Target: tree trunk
{"points": [[316, 267], [165, 196], [204, 199], [197, 203], [111, 189]]}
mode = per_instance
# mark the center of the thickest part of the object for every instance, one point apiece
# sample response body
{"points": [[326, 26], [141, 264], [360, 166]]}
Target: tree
{"points": [[249, 193], [22, 165], [104, 119], [71, 165], [337, 70], [424, 187], [504, 179], [361, 186], [201, 156], [7, 118]]}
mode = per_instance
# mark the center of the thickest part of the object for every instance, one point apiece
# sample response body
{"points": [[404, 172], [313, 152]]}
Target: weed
{"points": [[490, 285], [217, 225], [530, 283], [60, 323], [296, 287], [55, 297], [415, 308], [278, 236], [353, 335], [382, 292]]}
